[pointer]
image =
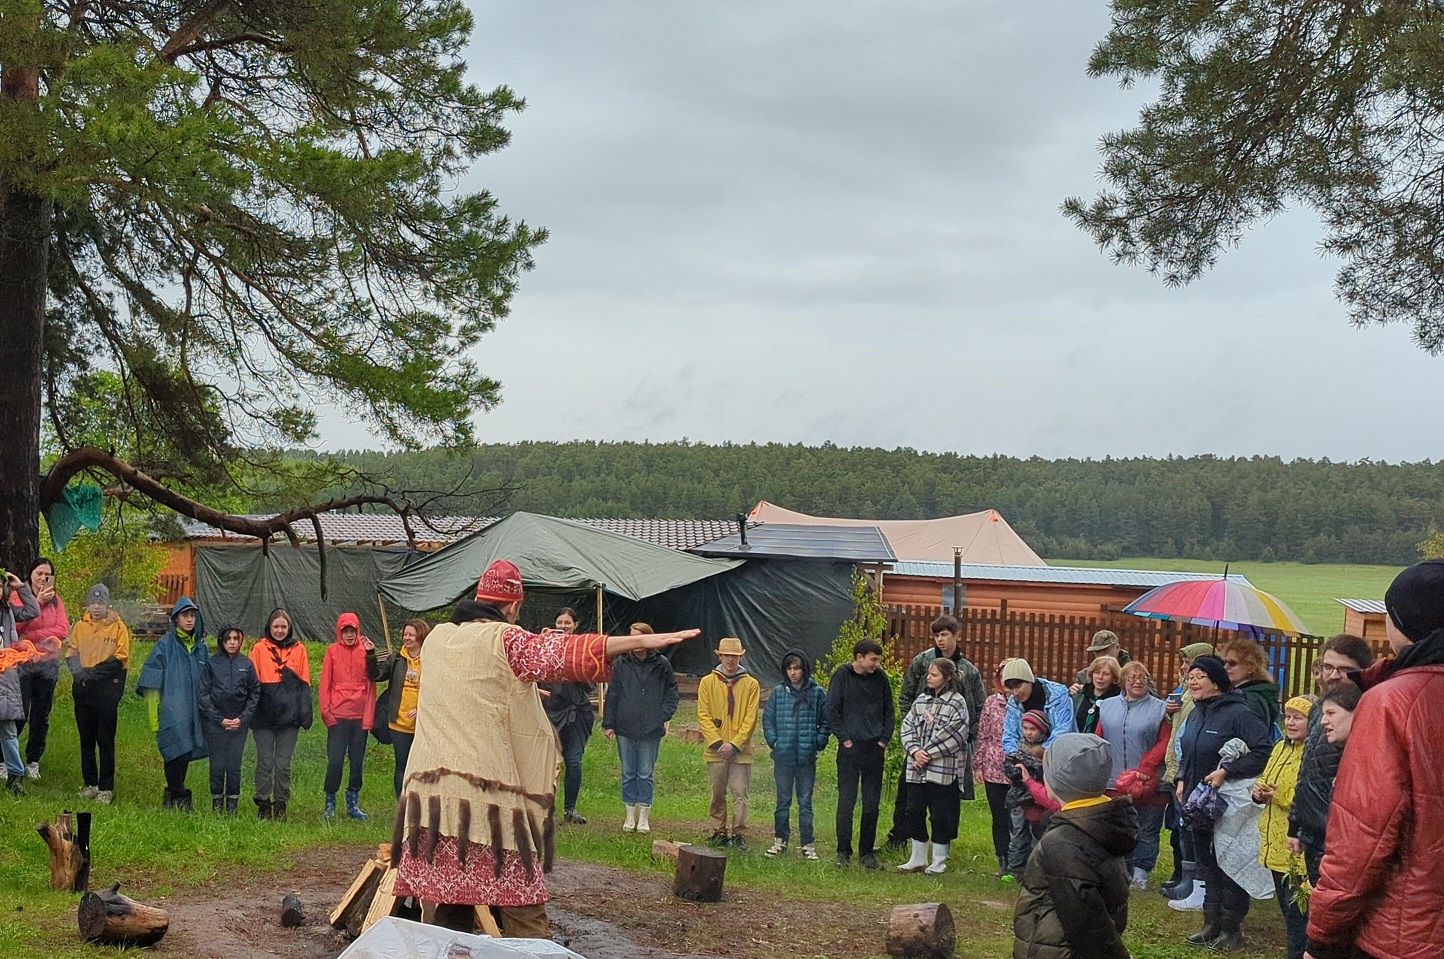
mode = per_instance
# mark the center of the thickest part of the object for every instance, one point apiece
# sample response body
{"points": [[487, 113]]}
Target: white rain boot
{"points": [[630, 823], [917, 860], [1194, 902], [644, 824], [940, 860], [1140, 878]]}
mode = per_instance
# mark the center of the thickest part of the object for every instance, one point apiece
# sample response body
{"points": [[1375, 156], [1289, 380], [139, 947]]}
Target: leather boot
{"points": [[218, 803], [263, 809], [184, 801], [278, 810], [168, 799], [329, 812], [232, 804], [353, 804]]}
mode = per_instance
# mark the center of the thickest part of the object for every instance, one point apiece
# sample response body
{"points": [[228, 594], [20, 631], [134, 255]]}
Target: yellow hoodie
{"points": [[96, 640]]}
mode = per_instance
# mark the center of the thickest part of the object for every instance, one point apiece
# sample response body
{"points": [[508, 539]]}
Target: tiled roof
{"points": [[1363, 605], [387, 528], [1146, 578]]}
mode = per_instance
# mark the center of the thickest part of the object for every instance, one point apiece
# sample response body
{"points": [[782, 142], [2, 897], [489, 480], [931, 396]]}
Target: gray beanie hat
{"points": [[1077, 766], [99, 593]]}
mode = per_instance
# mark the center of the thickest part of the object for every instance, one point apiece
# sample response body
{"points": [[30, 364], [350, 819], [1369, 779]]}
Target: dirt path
{"points": [[601, 912]]}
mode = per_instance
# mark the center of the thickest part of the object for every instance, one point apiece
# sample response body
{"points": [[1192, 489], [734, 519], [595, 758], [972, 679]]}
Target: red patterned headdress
{"points": [[501, 583]]}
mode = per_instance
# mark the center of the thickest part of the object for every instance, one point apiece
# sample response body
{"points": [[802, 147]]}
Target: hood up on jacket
{"points": [[1113, 825], [807, 666], [181, 605], [221, 639], [348, 619]]}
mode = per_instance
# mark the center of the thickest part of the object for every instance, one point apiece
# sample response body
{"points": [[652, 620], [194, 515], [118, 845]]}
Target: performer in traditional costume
{"points": [[476, 821]]}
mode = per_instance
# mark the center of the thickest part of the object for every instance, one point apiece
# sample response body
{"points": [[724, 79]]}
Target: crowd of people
{"points": [[1260, 799]]}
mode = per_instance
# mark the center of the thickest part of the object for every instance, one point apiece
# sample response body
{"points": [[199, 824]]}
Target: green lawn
{"points": [[1309, 590], [154, 851]]}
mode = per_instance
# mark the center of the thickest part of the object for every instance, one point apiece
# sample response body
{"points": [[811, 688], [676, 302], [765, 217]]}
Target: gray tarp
{"points": [[551, 553], [240, 584]]}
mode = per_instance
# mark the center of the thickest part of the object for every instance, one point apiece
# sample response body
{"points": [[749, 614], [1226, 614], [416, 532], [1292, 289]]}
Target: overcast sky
{"points": [[804, 222]]}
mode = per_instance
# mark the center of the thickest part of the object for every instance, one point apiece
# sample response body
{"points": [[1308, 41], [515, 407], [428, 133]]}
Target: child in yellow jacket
{"points": [[1274, 790], [727, 712]]}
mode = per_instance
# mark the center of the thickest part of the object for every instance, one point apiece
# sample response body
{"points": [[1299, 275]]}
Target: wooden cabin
{"points": [[1366, 618]]}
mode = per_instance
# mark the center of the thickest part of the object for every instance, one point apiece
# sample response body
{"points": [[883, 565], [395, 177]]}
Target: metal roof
{"points": [[1364, 605], [853, 544], [1079, 575], [387, 528]]}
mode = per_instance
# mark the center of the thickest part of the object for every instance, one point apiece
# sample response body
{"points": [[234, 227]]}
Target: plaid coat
{"points": [[937, 723]]}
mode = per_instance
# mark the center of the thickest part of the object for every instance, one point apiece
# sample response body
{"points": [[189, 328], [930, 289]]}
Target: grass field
{"points": [[1309, 590], [155, 852]]}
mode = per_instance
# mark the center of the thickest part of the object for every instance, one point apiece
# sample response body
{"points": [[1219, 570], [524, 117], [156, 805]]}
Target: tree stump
{"points": [[292, 913], [69, 850], [699, 874], [115, 920], [923, 930]]}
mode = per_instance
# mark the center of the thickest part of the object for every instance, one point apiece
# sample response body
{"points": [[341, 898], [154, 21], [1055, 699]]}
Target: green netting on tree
{"points": [[79, 506]]}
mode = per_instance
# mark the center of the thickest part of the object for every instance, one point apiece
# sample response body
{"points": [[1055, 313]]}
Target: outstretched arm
{"points": [[578, 658]]}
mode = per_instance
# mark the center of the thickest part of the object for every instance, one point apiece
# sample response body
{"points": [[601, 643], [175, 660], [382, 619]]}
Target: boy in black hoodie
{"points": [[1074, 900], [860, 714]]}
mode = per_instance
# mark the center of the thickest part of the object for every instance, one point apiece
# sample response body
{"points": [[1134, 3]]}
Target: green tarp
{"points": [[552, 554]]}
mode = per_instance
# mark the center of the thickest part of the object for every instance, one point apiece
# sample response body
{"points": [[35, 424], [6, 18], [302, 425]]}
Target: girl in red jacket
{"points": [[348, 705]]}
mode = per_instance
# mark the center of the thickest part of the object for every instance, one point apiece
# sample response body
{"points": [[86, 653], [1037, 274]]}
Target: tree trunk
{"points": [[69, 850], [921, 930], [116, 920], [24, 260], [293, 914], [699, 874]]}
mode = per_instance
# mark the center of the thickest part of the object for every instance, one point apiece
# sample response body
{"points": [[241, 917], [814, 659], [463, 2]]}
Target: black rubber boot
{"points": [[232, 804], [1184, 887], [167, 799], [263, 809], [218, 804], [183, 802], [278, 810]]}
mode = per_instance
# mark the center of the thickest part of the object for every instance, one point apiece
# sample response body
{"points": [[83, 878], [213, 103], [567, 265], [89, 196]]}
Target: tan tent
{"points": [[985, 538]]}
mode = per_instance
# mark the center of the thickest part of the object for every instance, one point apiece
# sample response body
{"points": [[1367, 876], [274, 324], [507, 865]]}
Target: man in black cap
{"points": [[1379, 885]]}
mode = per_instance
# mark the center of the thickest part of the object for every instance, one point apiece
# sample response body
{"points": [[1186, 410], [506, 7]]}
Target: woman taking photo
{"points": [[37, 678], [396, 709], [1219, 714]]}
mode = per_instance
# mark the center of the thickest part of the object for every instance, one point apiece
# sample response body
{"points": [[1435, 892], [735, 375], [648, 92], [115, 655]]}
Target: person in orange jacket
{"points": [[348, 707]]}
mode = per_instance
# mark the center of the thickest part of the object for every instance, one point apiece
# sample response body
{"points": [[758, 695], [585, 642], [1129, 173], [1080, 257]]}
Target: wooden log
{"points": [[922, 930], [700, 872], [115, 920], [666, 849], [292, 913], [384, 900], [350, 912], [69, 844]]}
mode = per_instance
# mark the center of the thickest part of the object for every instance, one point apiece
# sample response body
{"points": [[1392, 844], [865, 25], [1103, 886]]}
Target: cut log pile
{"points": [[371, 896]]}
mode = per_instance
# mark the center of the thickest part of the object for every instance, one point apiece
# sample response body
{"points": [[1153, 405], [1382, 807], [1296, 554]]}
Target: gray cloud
{"points": [[812, 221]]}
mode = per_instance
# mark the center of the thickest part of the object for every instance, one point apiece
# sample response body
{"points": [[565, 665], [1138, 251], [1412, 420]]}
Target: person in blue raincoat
{"points": [[170, 684]]}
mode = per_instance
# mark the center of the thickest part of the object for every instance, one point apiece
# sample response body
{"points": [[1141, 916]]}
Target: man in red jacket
{"points": [[1380, 886]]}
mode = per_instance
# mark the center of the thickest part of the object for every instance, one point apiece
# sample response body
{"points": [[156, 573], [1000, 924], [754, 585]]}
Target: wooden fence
{"points": [[1056, 646]]}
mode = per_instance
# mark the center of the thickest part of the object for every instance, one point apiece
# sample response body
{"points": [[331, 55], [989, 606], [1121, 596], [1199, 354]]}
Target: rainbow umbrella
{"points": [[1224, 603]]}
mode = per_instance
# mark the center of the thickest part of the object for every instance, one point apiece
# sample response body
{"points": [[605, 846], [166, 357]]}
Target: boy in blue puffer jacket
{"points": [[794, 722]]}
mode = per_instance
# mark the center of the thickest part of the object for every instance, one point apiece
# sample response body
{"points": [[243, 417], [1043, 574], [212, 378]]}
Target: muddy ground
{"points": [[238, 917]]}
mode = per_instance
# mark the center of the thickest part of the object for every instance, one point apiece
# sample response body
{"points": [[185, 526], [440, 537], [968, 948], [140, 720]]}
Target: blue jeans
{"points": [[1150, 824], [639, 759], [574, 746], [10, 746], [790, 778]]}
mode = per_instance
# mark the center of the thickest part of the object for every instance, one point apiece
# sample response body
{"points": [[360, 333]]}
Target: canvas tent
{"points": [[984, 537], [771, 604]]}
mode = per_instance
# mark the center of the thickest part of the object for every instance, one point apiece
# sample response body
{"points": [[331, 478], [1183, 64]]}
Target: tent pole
{"points": [[385, 626], [601, 687]]}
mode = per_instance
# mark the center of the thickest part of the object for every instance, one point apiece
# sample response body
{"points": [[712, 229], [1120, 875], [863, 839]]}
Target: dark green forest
{"points": [[1204, 507]]}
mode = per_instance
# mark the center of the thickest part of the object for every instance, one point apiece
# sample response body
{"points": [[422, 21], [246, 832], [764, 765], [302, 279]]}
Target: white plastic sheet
{"points": [[393, 938]]}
